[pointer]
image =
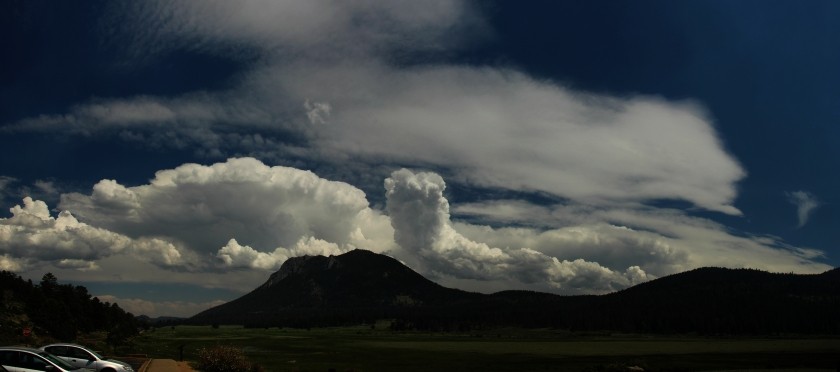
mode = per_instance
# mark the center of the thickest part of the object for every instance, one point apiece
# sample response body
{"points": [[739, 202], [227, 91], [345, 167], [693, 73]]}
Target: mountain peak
{"points": [[301, 265], [311, 265], [352, 280]]}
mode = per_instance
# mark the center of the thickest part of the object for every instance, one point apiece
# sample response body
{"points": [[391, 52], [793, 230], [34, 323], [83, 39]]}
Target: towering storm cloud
{"points": [[420, 216], [241, 212]]}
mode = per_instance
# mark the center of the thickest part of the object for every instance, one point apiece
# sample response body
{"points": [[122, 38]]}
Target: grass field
{"points": [[366, 349]]}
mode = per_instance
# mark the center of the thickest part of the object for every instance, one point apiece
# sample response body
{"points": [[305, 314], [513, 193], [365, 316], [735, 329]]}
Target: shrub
{"points": [[222, 359]]}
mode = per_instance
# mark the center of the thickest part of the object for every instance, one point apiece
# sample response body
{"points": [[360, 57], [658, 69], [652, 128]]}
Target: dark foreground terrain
{"points": [[359, 287], [306, 318], [363, 348]]}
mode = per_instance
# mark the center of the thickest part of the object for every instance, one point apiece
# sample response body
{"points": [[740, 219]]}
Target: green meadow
{"points": [[377, 349]]}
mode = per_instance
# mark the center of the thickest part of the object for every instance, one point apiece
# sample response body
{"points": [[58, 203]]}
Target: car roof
{"points": [[20, 348], [66, 344], [63, 344]]}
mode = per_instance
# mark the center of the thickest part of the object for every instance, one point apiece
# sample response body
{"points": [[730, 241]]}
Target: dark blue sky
{"points": [[766, 71], [100, 90]]}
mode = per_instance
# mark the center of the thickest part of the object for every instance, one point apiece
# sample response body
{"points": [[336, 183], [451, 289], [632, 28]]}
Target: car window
{"points": [[35, 362], [29, 361], [9, 358], [57, 350], [75, 352], [58, 362]]}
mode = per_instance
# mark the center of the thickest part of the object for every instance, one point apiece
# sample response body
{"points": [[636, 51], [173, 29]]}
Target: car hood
{"points": [[124, 364]]}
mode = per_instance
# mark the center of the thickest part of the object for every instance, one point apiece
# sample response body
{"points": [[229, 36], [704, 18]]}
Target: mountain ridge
{"points": [[361, 286]]}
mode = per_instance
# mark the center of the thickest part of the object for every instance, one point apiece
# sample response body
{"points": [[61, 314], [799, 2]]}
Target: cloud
{"points": [[420, 216], [511, 131], [365, 113], [75, 264], [193, 222], [258, 214], [492, 127], [46, 188], [317, 112], [138, 306], [189, 116], [659, 240], [320, 29], [12, 189], [6, 191], [8, 263], [501, 129], [235, 255], [32, 236], [5, 181], [805, 203]]}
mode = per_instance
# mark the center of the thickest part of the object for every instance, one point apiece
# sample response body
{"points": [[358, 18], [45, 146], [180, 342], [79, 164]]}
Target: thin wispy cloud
{"points": [[805, 203], [494, 127]]}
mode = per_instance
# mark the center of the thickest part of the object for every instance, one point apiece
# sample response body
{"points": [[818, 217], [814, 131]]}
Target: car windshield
{"points": [[57, 361]]}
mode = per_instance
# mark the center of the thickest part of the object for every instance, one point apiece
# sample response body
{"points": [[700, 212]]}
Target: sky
{"points": [[171, 155]]}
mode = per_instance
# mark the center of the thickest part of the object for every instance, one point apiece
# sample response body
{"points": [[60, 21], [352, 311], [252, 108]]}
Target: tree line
{"points": [[58, 311]]}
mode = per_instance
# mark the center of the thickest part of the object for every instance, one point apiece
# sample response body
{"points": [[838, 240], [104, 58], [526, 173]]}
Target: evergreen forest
{"points": [[49, 311]]}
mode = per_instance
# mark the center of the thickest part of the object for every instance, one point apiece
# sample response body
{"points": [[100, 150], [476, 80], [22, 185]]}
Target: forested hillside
{"points": [[49, 310]]}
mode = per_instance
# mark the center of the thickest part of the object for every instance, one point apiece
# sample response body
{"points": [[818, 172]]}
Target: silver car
{"points": [[24, 359], [82, 357]]}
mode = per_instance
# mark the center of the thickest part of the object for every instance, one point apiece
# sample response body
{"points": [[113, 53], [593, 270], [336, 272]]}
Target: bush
{"points": [[222, 359]]}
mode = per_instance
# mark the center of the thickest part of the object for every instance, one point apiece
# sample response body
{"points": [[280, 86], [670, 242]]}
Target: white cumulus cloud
{"points": [[420, 215], [32, 236], [244, 215], [235, 255], [259, 215]]}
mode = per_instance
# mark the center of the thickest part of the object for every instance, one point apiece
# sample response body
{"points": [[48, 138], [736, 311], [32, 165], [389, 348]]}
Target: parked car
{"points": [[82, 357], [24, 359]]}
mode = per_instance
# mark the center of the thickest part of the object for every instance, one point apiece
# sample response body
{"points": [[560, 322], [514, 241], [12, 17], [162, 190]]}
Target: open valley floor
{"points": [[376, 348]]}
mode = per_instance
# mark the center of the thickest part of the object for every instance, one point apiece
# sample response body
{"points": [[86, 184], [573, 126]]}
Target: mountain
{"points": [[719, 300], [356, 285], [361, 287]]}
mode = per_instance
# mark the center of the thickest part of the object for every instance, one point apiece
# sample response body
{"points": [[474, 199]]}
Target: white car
{"points": [[24, 359], [82, 357]]}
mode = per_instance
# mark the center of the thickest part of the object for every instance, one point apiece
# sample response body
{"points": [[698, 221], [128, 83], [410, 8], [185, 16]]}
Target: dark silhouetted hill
{"points": [[361, 287], [356, 286], [719, 300]]}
